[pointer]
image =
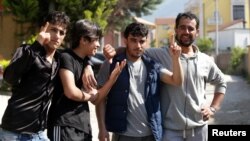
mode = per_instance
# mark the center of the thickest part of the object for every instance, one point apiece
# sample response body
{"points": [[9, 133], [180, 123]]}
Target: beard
{"points": [[182, 43]]}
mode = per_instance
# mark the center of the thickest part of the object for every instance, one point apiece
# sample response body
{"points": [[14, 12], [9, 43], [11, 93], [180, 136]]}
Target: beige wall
{"points": [[8, 39]]}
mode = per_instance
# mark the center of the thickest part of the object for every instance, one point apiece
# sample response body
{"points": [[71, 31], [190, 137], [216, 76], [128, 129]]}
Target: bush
{"points": [[205, 44], [237, 55], [4, 86], [4, 63]]}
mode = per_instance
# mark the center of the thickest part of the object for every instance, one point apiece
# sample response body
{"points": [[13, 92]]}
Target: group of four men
{"points": [[143, 94]]}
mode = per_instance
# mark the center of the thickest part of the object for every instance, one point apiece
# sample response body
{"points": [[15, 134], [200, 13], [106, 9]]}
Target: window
{"points": [[117, 39], [238, 12]]}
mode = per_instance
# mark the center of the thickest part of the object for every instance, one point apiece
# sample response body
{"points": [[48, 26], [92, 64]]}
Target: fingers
{"points": [[206, 113], [88, 78], [172, 39], [109, 52], [110, 60], [44, 28], [43, 37], [92, 81], [175, 50], [104, 136], [89, 82], [121, 65]]}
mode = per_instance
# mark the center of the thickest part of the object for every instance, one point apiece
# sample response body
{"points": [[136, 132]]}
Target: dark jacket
{"points": [[117, 108], [32, 80]]}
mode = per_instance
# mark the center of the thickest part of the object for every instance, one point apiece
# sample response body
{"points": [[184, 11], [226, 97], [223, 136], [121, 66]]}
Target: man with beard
{"points": [[185, 111]]}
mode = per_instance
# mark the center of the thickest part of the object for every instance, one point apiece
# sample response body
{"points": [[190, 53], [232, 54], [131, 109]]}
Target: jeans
{"points": [[12, 136]]}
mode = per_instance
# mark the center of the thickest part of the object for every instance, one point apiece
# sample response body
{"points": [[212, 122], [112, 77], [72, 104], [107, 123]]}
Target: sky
{"points": [[167, 9]]}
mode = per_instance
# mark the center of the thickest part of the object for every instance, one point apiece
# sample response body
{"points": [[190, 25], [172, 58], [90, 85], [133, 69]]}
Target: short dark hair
{"points": [[136, 29], [187, 15], [57, 17], [86, 29]]}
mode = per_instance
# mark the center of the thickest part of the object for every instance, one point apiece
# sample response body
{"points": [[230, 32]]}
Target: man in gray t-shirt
{"points": [[132, 108]]}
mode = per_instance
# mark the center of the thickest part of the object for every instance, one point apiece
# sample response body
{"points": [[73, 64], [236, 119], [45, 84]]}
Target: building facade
{"points": [[226, 22]]}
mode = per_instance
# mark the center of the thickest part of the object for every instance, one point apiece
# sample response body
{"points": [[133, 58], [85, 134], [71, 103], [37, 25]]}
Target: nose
{"points": [[97, 43], [58, 34], [138, 44], [186, 30]]}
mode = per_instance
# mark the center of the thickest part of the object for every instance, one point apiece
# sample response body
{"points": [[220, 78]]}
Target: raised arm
{"points": [[88, 77], [176, 77], [25, 56], [103, 91]]}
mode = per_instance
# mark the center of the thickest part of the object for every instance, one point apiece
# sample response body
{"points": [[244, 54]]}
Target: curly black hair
{"points": [[136, 29], [57, 17]]}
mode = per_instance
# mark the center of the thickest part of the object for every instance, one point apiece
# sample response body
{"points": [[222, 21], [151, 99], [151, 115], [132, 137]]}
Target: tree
{"points": [[25, 12], [126, 9], [31, 11], [115, 14]]}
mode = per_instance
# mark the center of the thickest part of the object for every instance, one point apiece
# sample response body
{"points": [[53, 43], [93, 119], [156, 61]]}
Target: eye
{"points": [[61, 32], [142, 41]]}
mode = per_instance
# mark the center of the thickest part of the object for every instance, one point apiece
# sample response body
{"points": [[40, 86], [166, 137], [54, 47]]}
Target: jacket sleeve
{"points": [[21, 62], [217, 78]]}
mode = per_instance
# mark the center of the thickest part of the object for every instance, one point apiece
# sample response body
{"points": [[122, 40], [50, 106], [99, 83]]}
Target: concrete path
{"points": [[235, 109]]}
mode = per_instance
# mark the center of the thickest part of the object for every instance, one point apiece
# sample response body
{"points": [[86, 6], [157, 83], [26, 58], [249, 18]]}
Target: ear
{"points": [[125, 40], [83, 41], [197, 33]]}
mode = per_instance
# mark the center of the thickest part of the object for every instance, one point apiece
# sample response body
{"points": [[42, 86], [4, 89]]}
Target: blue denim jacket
{"points": [[117, 108]]}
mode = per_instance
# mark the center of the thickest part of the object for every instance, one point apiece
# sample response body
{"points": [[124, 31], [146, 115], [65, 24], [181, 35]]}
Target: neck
{"points": [[189, 51], [79, 52], [132, 58], [50, 54]]}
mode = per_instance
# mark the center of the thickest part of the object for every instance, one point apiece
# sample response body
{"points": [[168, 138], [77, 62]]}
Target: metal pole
{"points": [[217, 28], [201, 19]]}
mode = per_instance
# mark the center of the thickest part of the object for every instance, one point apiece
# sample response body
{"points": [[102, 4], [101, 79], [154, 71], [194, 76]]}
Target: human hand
{"points": [[43, 37], [206, 113], [88, 78], [103, 135], [117, 70], [175, 50], [109, 52], [93, 94]]}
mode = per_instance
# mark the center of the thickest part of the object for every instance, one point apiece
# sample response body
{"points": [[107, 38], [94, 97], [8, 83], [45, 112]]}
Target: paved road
{"points": [[235, 108]]}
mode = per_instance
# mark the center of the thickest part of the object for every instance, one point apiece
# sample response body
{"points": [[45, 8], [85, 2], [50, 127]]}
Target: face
{"points": [[91, 47], [186, 32], [135, 46], [57, 35]]}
